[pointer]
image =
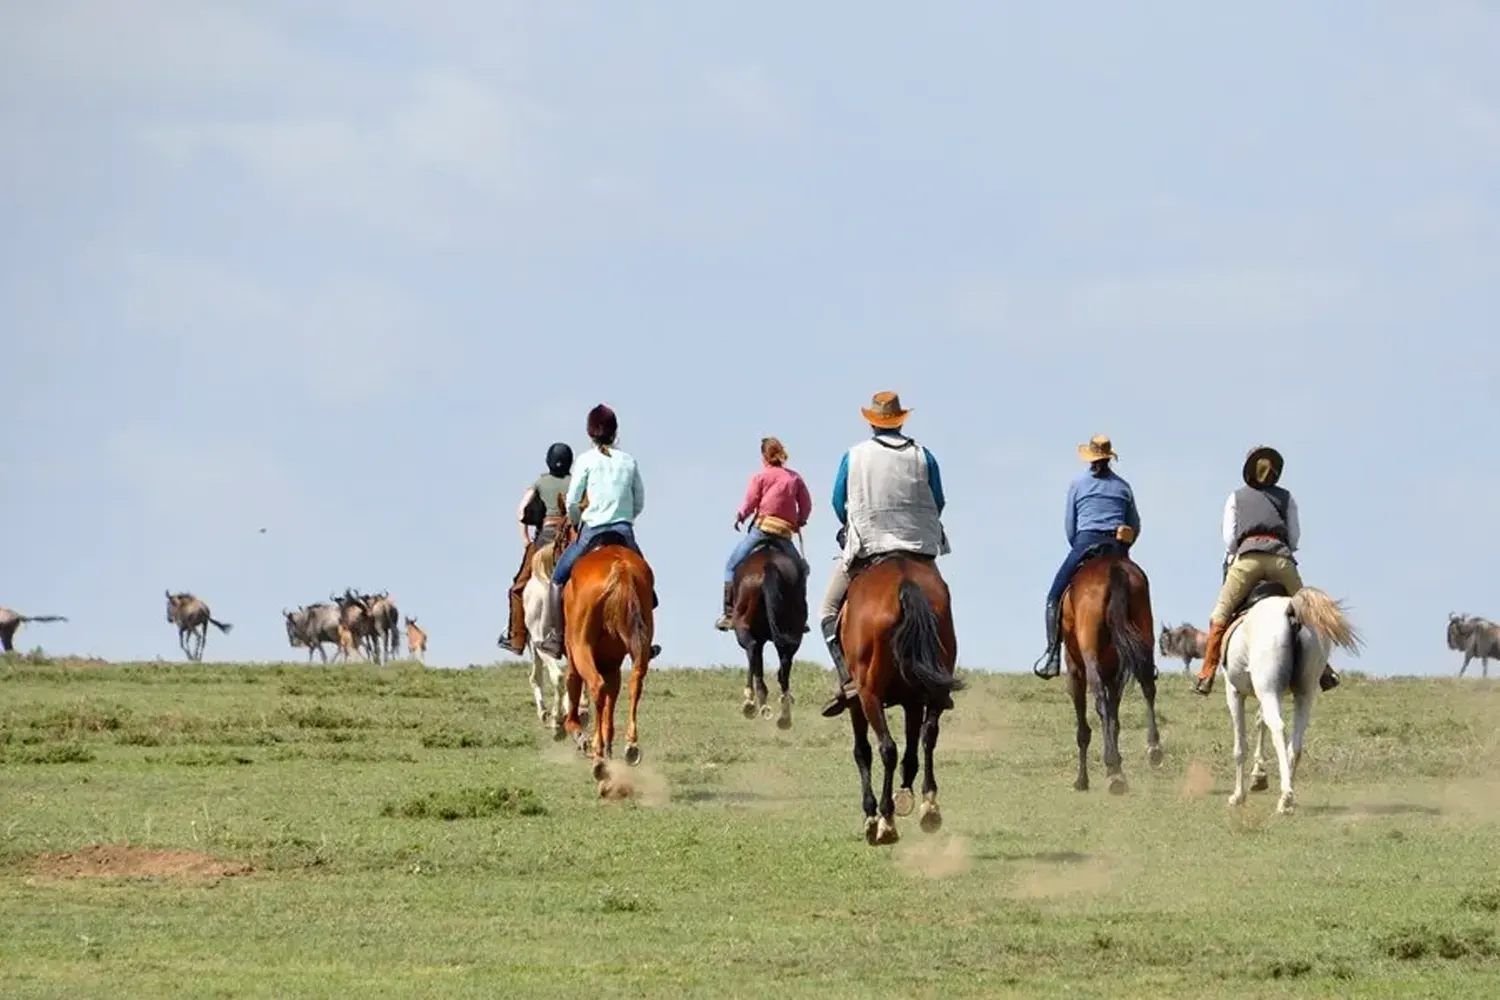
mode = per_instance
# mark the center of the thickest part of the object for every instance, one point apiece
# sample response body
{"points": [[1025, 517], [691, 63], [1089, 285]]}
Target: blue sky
{"points": [[345, 269]]}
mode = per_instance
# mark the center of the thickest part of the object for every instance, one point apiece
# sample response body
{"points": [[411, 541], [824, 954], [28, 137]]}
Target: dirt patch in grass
{"points": [[125, 861]]}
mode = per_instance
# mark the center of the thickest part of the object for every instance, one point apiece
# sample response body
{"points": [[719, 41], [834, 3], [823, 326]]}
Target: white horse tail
{"points": [[1325, 616]]}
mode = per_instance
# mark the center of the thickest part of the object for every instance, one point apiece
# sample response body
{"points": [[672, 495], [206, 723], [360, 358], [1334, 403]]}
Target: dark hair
{"points": [[603, 427]]}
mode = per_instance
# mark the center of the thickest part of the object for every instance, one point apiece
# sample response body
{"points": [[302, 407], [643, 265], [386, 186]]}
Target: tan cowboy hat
{"points": [[1099, 447], [1262, 466], [885, 411]]}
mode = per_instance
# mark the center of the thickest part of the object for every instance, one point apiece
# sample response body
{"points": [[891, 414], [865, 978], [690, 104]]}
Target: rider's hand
{"points": [[737, 523]]}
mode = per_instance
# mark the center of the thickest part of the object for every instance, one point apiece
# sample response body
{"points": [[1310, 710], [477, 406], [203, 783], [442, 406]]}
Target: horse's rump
{"points": [[611, 600], [777, 579], [902, 600]]}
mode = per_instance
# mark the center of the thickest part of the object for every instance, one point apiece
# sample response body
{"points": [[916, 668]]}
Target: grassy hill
{"points": [[280, 831]]}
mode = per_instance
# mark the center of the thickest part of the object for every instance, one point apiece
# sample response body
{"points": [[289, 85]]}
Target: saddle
{"points": [[1258, 593], [602, 539]]}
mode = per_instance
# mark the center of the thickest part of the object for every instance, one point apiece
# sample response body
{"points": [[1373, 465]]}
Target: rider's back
{"points": [[613, 484], [891, 505]]}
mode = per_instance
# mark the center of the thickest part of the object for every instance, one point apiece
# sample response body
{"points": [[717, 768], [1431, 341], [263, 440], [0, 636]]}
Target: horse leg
{"points": [[885, 832], [905, 801], [536, 686], [1106, 705], [784, 681], [1154, 753], [864, 759], [931, 819], [559, 696], [1237, 720], [754, 669], [638, 670], [574, 684], [1079, 688], [1270, 706], [1258, 780]]}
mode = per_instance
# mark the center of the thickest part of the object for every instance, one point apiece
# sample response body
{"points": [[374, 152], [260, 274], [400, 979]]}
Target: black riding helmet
{"points": [[560, 459]]}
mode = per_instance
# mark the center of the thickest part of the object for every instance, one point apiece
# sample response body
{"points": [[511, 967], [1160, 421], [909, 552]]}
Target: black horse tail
{"points": [[918, 646], [1132, 649], [779, 605]]}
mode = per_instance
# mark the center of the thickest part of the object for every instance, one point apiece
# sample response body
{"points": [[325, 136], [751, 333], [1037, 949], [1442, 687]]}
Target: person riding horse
{"points": [[616, 497], [542, 511], [1261, 535], [888, 495], [1100, 515], [778, 500]]}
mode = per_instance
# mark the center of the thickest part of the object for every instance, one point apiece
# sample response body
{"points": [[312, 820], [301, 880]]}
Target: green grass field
{"points": [[416, 833]]}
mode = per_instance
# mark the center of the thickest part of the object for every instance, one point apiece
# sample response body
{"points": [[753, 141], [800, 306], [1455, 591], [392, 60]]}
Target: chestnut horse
{"points": [[607, 617], [1107, 628], [770, 605], [897, 633]]}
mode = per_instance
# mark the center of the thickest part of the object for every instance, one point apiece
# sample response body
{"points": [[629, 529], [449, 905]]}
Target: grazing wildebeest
{"points": [[1281, 644], [416, 640], [1107, 633], [312, 626], [607, 617], [769, 600], [898, 638], [11, 621], [534, 598], [192, 618], [1184, 642], [1478, 638]]}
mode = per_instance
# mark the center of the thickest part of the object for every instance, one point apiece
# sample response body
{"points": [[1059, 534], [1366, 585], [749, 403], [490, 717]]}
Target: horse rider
{"points": [[616, 497], [542, 511], [1100, 511], [888, 495], [1261, 535], [778, 500]]}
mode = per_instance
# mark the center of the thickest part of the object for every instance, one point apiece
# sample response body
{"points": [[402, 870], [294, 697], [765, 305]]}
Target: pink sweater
{"points": [[778, 491]]}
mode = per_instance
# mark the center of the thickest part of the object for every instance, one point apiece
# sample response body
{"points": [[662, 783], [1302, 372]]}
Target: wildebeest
{"points": [[354, 615], [11, 621], [1185, 643], [192, 618], [416, 640], [312, 626], [375, 623], [1478, 638]]}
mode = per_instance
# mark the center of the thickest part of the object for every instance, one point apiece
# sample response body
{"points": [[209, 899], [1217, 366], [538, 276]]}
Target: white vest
{"points": [[890, 503]]}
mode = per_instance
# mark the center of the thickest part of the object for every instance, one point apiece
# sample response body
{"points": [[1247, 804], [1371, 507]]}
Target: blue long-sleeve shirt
{"points": [[841, 480], [1099, 503]]}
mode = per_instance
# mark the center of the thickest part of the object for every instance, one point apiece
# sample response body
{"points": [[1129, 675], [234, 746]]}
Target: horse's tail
{"points": [[623, 613], [1132, 649], [775, 602], [544, 561], [918, 646], [1325, 616]]}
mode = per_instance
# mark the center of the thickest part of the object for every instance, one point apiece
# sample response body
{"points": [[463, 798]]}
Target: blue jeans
{"points": [[1082, 542], [570, 555], [752, 536]]}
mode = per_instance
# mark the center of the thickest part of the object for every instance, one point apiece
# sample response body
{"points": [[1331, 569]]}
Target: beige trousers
{"points": [[1245, 572]]}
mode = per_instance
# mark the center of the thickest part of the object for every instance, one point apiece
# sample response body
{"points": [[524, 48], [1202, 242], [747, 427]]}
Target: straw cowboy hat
{"points": [[1262, 466], [885, 411], [1099, 447]]}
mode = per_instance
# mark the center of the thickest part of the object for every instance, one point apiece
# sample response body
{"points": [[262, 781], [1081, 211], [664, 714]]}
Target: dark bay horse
{"points": [[897, 633], [607, 617], [770, 605], [1107, 628]]}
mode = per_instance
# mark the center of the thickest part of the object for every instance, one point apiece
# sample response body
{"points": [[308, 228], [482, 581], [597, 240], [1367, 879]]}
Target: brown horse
{"points": [[1107, 628], [897, 633], [770, 605], [607, 617]]}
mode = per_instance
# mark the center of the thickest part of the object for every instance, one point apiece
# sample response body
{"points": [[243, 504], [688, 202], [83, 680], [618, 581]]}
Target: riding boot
{"points": [[552, 631], [846, 692], [1204, 683], [1329, 678], [724, 624], [1053, 657]]}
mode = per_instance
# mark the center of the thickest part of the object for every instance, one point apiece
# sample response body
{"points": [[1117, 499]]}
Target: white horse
{"points": [[1281, 645], [535, 599]]}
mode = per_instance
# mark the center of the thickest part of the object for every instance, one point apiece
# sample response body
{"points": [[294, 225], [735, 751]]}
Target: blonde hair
{"points": [[772, 451]]}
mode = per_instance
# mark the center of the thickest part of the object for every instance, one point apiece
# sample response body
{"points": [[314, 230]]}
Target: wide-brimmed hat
{"points": [[1097, 449], [885, 411], [1262, 466]]}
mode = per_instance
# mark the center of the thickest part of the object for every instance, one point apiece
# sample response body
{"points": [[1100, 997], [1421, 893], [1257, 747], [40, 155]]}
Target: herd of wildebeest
{"points": [[368, 625]]}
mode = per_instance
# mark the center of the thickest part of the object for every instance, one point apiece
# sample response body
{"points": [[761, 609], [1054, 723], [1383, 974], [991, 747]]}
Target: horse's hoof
{"points": [[748, 709], [1155, 755], [1259, 782], [1237, 799], [1081, 783], [1285, 805], [604, 789], [871, 827], [931, 819], [600, 769], [1117, 785], [633, 755], [905, 801], [784, 720], [766, 711], [559, 733], [885, 831]]}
